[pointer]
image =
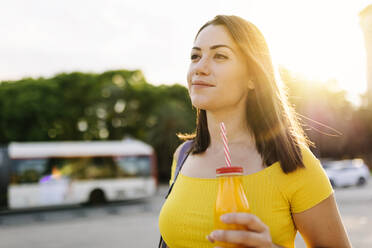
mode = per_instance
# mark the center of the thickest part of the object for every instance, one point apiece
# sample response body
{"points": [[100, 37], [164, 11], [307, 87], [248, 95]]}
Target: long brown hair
{"points": [[271, 118]]}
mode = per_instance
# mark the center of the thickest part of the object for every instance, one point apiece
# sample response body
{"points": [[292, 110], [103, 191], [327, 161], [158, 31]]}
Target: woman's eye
{"points": [[194, 56], [220, 56]]}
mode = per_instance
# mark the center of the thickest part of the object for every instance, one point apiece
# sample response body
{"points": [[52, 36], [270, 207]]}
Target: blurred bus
{"points": [[40, 174]]}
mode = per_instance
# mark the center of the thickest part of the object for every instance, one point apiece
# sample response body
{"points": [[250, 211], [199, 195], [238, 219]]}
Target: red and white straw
{"points": [[225, 145]]}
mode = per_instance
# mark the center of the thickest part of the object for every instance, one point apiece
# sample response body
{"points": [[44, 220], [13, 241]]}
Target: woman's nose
{"points": [[202, 67]]}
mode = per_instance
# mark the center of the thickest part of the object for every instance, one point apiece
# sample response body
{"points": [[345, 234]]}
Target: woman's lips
{"points": [[201, 84]]}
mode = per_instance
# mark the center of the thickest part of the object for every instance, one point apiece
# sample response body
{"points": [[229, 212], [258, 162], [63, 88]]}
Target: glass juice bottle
{"points": [[230, 198]]}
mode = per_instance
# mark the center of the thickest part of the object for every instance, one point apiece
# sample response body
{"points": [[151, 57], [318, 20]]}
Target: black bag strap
{"points": [[184, 153]]}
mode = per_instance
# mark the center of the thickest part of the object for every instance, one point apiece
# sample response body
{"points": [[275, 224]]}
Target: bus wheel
{"points": [[97, 197]]}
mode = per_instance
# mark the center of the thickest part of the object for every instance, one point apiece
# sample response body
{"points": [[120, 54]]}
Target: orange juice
{"points": [[230, 198]]}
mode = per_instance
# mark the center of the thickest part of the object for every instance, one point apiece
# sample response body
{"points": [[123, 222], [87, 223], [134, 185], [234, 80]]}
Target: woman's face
{"points": [[217, 61]]}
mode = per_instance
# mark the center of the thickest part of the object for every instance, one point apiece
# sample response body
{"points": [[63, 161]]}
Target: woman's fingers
{"points": [[252, 222], [257, 235], [210, 238], [241, 237]]}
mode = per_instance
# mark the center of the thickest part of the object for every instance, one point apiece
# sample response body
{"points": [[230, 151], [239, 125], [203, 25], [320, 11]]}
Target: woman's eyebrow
{"points": [[214, 47]]}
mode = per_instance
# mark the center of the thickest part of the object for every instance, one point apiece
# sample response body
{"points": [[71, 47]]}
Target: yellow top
{"points": [[186, 216]]}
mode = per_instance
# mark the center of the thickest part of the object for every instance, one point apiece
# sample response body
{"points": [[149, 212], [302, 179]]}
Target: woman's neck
{"points": [[237, 129]]}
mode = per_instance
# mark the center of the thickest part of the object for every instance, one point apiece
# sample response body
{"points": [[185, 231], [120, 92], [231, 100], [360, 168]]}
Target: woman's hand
{"points": [[256, 235]]}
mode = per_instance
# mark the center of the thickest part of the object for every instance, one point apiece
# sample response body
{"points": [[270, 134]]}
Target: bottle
{"points": [[230, 198]]}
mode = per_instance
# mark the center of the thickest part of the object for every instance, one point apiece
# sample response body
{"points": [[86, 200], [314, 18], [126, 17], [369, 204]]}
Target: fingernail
{"points": [[224, 218], [216, 234], [209, 239]]}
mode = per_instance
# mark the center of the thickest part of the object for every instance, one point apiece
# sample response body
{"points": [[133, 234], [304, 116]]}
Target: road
{"points": [[135, 223]]}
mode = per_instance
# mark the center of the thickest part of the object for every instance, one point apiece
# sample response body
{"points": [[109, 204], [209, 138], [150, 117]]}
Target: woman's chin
{"points": [[202, 105], [204, 102]]}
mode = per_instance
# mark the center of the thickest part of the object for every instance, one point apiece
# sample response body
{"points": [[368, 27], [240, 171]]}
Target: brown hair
{"points": [[273, 121]]}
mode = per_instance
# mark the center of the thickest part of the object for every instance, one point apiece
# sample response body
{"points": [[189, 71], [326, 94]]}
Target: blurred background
{"points": [[101, 74]]}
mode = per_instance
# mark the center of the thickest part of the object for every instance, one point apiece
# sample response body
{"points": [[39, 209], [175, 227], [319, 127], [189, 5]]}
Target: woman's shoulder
{"points": [[176, 154], [312, 165], [179, 148], [312, 172], [305, 186]]}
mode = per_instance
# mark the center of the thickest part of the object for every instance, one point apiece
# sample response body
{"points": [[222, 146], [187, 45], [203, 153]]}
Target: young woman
{"points": [[231, 79]]}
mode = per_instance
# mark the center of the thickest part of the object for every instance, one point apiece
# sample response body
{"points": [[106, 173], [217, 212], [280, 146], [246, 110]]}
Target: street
{"points": [[135, 223]]}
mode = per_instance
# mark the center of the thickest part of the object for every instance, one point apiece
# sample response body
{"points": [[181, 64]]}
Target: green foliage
{"points": [[107, 106]]}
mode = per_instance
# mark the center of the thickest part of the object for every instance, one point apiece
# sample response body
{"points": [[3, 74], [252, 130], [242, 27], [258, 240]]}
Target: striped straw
{"points": [[225, 146]]}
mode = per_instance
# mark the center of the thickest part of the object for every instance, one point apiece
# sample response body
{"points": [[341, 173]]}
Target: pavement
{"points": [[135, 223]]}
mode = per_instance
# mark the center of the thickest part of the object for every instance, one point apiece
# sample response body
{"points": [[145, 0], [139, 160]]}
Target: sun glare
{"points": [[322, 45]]}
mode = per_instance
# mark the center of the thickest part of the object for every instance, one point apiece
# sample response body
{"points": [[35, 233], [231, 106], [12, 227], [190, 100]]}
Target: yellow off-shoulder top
{"points": [[186, 217]]}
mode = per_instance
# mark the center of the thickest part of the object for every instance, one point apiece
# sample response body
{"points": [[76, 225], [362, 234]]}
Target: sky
{"points": [[320, 39]]}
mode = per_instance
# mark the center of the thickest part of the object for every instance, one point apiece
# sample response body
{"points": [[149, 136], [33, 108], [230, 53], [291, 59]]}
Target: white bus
{"points": [[40, 174]]}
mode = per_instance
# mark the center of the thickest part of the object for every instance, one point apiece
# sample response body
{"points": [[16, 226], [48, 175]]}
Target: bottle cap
{"points": [[233, 170]]}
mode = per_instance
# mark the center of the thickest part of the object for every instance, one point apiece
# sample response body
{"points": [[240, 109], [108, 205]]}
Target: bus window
{"points": [[85, 168], [27, 170], [134, 166]]}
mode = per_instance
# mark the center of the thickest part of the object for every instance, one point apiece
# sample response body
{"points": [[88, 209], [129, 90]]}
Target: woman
{"points": [[231, 79]]}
